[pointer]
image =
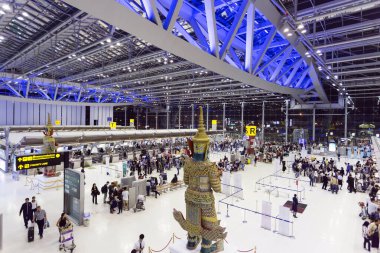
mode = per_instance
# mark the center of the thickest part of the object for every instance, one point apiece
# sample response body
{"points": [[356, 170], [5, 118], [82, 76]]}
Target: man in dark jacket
{"points": [[295, 206], [27, 211], [325, 181]]}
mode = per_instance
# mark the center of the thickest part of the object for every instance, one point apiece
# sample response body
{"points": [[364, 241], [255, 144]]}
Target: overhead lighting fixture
{"points": [[286, 30], [2, 12], [333, 84], [25, 14], [6, 7], [118, 44], [20, 18], [109, 40], [329, 66], [336, 77], [303, 31], [289, 34], [300, 26], [340, 84], [1, 37], [327, 77], [318, 51]]}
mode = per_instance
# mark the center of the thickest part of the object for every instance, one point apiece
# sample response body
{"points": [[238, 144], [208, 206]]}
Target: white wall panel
{"points": [[79, 115], [64, 114], [83, 115], [36, 114], [100, 116], [68, 118], [48, 111], [30, 120], [24, 113], [10, 113], [17, 114], [59, 113], [3, 113], [53, 114], [43, 115]]}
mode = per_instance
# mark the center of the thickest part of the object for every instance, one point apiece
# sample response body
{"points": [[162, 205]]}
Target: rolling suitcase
{"points": [[31, 234]]}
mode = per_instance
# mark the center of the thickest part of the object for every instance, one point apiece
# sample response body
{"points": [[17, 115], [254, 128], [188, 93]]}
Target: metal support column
{"points": [[7, 151], [156, 120], [345, 118], [242, 119], [263, 122], [207, 118], [224, 117], [286, 120], [313, 124], [125, 115], [179, 117], [137, 118], [167, 116], [146, 118], [192, 116]]}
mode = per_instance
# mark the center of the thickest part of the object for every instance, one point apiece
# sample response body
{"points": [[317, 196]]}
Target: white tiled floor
{"points": [[329, 224]]}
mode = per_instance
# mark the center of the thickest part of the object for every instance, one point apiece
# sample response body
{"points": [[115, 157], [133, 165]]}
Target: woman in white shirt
{"points": [[34, 204]]}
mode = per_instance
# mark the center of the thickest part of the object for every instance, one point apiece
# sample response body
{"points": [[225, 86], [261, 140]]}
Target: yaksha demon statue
{"points": [[50, 146], [201, 177]]}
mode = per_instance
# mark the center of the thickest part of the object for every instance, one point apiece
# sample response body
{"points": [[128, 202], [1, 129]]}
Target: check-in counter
{"points": [[115, 158], [87, 161]]}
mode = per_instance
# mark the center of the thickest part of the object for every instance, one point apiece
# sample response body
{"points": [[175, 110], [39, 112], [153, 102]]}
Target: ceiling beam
{"points": [[112, 12]]}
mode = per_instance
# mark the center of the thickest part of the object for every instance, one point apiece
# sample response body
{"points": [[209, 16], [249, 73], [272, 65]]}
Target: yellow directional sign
{"points": [[37, 160], [214, 122], [113, 125], [57, 122], [131, 120], [250, 130]]}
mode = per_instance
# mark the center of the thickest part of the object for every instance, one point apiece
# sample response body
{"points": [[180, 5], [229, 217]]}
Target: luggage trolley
{"points": [[67, 239]]}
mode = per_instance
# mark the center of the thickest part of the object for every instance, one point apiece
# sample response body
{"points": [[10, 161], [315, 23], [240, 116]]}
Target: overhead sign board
{"points": [[214, 122], [131, 120], [250, 130], [57, 122], [37, 160], [113, 125]]}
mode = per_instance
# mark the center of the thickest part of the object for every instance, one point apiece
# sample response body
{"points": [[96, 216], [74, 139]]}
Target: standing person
{"points": [[27, 211], [140, 244], [295, 206], [373, 233], [94, 193], [40, 218], [125, 196], [340, 181], [325, 181], [34, 204], [311, 177], [104, 190], [154, 189], [351, 183], [367, 241], [120, 204]]}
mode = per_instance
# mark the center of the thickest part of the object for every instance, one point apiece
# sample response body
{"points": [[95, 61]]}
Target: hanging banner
{"points": [[226, 182], [250, 130], [132, 122], [283, 226], [238, 183], [266, 215]]}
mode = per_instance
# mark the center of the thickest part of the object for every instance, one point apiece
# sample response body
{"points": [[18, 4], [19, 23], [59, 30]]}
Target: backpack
{"points": [[104, 189]]}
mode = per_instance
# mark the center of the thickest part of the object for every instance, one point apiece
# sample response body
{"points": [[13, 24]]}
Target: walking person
{"points": [[373, 234], [40, 218], [140, 244], [125, 196], [104, 191], [367, 241], [34, 204], [295, 206], [94, 193], [27, 212]]}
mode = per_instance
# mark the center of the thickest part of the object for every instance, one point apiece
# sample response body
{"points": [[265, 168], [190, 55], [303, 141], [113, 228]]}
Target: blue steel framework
{"points": [[233, 31]]}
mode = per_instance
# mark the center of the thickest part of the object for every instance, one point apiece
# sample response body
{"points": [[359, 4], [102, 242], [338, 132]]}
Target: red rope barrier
{"points": [[164, 247]]}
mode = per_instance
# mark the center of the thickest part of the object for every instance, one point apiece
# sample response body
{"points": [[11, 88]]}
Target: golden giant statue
{"points": [[202, 178], [49, 146]]}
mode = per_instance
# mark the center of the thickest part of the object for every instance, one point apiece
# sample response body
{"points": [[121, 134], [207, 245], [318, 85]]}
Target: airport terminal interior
{"points": [[187, 126]]}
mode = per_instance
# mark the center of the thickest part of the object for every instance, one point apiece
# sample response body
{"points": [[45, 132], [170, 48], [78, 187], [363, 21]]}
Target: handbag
{"points": [[47, 224]]}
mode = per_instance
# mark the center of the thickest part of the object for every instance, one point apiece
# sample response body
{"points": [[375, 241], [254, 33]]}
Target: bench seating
{"points": [[170, 186]]}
